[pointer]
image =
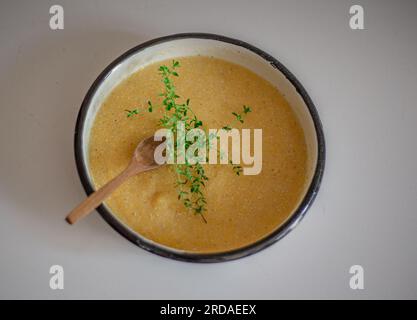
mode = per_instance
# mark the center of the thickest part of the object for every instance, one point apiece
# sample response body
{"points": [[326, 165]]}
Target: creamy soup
{"points": [[240, 209]]}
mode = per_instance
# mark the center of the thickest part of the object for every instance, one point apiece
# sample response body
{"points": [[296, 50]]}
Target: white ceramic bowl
{"points": [[239, 52]]}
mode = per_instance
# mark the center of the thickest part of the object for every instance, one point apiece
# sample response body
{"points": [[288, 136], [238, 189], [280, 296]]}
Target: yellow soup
{"points": [[240, 209]]}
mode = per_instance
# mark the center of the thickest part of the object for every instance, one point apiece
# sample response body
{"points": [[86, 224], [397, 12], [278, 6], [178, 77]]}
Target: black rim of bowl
{"points": [[263, 243]]}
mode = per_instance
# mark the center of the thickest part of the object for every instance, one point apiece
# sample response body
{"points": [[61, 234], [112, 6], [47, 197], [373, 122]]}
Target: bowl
{"points": [[236, 51]]}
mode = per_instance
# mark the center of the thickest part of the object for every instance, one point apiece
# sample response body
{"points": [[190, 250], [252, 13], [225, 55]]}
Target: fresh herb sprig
{"points": [[131, 113], [239, 119], [191, 178]]}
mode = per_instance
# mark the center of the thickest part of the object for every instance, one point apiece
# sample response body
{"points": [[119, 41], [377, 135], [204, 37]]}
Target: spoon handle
{"points": [[97, 197]]}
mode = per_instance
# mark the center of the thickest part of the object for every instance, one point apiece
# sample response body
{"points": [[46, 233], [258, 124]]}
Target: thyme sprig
{"points": [[191, 178]]}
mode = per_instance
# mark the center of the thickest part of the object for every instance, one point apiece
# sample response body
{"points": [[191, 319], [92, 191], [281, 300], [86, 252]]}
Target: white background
{"points": [[364, 84]]}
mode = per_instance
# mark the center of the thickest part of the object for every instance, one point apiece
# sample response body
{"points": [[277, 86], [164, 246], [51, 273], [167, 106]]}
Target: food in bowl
{"points": [[243, 212], [240, 209]]}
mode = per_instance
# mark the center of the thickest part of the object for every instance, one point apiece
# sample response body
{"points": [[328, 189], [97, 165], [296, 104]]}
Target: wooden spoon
{"points": [[143, 160]]}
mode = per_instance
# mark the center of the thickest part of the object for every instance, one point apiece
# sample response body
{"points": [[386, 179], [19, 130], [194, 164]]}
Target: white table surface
{"points": [[363, 82]]}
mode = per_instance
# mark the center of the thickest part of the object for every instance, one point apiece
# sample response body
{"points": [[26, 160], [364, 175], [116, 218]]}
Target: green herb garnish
{"points": [[191, 178], [131, 113]]}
